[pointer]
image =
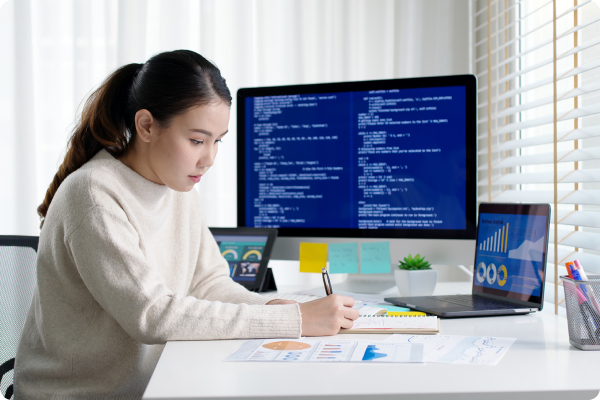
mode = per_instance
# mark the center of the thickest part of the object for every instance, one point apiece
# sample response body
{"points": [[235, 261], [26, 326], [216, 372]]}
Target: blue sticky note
{"points": [[343, 258], [375, 258], [391, 308]]}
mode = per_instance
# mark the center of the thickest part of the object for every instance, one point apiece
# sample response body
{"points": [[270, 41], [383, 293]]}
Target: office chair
{"points": [[18, 256]]}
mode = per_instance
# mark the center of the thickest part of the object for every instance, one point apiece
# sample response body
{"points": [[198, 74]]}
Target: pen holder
{"points": [[582, 299]]}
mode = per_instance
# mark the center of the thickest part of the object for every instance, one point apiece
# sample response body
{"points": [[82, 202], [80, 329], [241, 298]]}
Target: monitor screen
{"points": [[376, 159]]}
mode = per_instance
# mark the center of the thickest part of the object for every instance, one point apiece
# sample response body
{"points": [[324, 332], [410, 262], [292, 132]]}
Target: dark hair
{"points": [[168, 84]]}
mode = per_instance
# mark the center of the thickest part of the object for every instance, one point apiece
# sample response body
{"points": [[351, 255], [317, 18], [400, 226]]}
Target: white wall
{"points": [[55, 52]]}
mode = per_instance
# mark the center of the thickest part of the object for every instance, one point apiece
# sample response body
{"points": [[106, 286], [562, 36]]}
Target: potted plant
{"points": [[415, 277]]}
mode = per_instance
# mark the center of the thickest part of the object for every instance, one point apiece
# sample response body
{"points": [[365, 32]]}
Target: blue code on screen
{"points": [[381, 159]]}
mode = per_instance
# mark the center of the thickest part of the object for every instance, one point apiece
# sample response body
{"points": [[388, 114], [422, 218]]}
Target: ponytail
{"points": [[168, 84], [103, 124]]}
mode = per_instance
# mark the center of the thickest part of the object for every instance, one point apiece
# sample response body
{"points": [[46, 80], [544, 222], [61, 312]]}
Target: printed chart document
{"points": [[301, 350], [455, 349]]}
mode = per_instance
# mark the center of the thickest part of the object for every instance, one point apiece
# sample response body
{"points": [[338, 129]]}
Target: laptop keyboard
{"points": [[478, 303]]}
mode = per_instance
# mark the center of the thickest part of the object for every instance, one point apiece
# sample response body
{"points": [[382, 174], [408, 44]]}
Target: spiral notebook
{"points": [[395, 324]]}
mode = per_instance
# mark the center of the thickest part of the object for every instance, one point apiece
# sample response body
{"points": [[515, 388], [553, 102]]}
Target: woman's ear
{"points": [[143, 125]]}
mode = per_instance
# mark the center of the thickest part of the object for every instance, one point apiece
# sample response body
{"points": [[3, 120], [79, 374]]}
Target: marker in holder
{"points": [[582, 318]]}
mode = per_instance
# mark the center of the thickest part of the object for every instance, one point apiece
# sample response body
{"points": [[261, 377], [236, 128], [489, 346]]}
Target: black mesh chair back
{"points": [[18, 255]]}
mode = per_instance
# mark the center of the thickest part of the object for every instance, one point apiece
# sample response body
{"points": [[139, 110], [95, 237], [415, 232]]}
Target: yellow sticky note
{"points": [[313, 257], [406, 314]]}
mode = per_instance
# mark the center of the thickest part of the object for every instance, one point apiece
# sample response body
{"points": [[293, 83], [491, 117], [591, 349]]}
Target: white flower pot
{"points": [[416, 283]]}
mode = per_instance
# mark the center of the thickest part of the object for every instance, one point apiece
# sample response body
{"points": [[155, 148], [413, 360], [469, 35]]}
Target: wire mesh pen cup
{"points": [[582, 299]]}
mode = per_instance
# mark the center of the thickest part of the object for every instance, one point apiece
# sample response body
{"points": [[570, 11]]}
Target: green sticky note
{"points": [[343, 258], [375, 258]]}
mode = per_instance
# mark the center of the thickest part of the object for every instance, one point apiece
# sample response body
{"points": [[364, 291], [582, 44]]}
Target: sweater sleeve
{"points": [[106, 251]]}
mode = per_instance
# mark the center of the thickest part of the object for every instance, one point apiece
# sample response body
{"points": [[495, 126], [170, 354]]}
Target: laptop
{"points": [[510, 265], [247, 251]]}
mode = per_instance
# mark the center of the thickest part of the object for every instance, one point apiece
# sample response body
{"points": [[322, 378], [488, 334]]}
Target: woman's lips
{"points": [[195, 178]]}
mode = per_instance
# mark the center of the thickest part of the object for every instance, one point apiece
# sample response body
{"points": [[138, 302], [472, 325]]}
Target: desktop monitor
{"points": [[391, 160]]}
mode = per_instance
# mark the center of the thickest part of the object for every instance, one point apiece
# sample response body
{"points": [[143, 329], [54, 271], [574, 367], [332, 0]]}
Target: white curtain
{"points": [[54, 53]]}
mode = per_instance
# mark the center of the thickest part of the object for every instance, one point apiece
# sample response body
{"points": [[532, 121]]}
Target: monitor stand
{"points": [[368, 283]]}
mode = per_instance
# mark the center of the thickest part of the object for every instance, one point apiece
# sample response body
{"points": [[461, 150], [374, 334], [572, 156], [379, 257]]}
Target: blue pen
{"points": [[591, 296], [577, 277]]}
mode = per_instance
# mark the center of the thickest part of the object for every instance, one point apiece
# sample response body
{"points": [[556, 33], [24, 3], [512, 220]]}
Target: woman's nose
{"points": [[207, 158]]}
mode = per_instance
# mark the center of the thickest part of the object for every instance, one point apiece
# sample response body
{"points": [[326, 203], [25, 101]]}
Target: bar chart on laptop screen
{"points": [[510, 253]]}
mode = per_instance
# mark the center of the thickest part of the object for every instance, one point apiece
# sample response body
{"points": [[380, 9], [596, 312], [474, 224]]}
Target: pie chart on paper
{"points": [[286, 345]]}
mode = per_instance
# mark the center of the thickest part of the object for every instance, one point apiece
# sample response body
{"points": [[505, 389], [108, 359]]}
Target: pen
{"points": [[586, 322], [579, 268], [580, 298], [587, 313], [329, 290], [326, 282], [577, 277], [568, 265], [579, 274]]}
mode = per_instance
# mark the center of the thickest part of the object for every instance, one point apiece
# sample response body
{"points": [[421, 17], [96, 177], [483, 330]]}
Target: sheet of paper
{"points": [[378, 322], [367, 299], [368, 311], [313, 257], [378, 309], [375, 258], [343, 258], [305, 350], [455, 349]]}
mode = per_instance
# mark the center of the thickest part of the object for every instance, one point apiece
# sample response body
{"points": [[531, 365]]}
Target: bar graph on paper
{"points": [[495, 243]]}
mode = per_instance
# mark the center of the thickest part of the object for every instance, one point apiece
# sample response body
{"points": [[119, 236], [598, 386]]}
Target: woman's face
{"points": [[179, 154]]}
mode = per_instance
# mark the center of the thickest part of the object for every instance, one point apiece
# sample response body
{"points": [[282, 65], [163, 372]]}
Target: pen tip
{"points": [[323, 270]]}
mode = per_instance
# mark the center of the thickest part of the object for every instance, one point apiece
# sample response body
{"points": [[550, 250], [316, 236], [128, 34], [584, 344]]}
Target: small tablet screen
{"points": [[243, 253]]}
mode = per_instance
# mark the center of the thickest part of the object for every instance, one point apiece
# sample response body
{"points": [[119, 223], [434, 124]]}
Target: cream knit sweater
{"points": [[125, 265]]}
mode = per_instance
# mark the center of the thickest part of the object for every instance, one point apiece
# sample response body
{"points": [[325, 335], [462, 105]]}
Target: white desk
{"points": [[541, 364]]}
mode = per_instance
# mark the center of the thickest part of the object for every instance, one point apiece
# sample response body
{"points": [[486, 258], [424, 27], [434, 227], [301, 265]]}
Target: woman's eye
{"points": [[196, 141]]}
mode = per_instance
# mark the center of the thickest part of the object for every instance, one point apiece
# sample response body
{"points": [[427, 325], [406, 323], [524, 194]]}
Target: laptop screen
{"points": [[243, 253], [512, 246]]}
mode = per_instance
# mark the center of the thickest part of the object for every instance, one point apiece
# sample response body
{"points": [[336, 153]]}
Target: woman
{"points": [[126, 261]]}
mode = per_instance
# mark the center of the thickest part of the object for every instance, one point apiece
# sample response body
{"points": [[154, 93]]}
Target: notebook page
{"points": [[385, 322]]}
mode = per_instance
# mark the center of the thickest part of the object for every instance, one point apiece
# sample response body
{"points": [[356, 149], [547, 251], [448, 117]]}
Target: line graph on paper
{"points": [[477, 350], [455, 349]]}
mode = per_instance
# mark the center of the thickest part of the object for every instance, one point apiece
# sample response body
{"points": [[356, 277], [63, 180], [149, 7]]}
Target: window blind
{"points": [[537, 63]]}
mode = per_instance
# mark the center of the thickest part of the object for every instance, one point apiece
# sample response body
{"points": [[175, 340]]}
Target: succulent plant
{"points": [[414, 263]]}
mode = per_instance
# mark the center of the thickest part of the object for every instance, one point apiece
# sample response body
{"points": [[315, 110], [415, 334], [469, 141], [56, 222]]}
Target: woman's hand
{"points": [[280, 301], [324, 317]]}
